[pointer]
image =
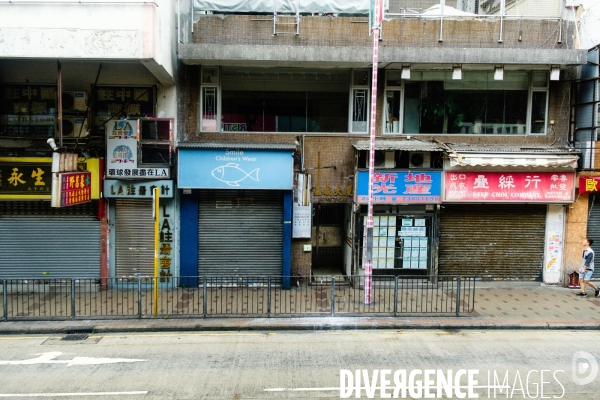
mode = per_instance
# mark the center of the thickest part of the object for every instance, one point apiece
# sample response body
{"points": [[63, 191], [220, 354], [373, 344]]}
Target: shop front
{"points": [[405, 217], [506, 224], [40, 241], [235, 210]]}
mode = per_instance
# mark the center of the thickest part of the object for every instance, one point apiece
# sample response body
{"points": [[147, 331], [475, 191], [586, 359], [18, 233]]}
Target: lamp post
{"points": [[375, 22]]}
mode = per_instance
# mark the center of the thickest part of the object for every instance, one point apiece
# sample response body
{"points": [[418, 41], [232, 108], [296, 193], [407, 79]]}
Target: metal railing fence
{"points": [[203, 297]]}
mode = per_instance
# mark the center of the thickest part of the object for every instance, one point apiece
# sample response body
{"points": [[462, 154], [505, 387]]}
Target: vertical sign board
{"points": [[75, 188], [553, 256]]}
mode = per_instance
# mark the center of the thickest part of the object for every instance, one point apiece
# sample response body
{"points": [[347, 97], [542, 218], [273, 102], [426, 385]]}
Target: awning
{"points": [[524, 160], [406, 145]]}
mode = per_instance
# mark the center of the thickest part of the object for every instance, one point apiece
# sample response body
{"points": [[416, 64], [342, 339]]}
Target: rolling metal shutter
{"points": [[240, 233], [500, 241], [134, 237], [593, 231], [39, 241]]}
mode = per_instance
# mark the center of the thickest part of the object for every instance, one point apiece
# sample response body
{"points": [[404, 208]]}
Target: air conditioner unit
{"points": [[75, 127], [383, 159], [75, 101], [419, 159]]}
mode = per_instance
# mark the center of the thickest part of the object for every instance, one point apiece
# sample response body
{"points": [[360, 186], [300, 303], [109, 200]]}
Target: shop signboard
{"points": [[123, 189], [75, 188], [400, 187], [589, 184], [122, 153], [511, 187], [234, 168]]}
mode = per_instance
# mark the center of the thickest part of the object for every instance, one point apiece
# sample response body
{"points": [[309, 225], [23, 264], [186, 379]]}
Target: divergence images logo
{"points": [[585, 368]]}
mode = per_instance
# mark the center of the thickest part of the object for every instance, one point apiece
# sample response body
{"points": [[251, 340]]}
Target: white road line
{"points": [[72, 394]]}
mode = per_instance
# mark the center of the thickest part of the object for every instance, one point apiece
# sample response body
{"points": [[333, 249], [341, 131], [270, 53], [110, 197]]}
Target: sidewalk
{"points": [[498, 305]]}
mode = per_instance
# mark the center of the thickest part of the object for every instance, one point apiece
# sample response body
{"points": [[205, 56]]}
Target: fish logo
{"points": [[231, 174]]}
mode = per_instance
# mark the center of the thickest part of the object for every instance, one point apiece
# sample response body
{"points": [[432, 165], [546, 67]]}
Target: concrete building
{"points": [[67, 70], [474, 165]]}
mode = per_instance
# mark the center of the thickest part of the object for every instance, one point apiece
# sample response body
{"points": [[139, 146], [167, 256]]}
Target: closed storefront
{"points": [[504, 224], [593, 225], [39, 241], [235, 210], [495, 240]]}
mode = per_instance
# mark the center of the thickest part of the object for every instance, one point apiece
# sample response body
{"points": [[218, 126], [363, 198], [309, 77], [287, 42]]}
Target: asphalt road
{"points": [[303, 365]]}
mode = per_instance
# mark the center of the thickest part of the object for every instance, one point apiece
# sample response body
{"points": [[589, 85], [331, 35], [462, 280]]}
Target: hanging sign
{"points": [[589, 184], [75, 188]]}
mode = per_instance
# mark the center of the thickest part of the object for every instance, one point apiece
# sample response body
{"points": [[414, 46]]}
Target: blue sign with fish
{"points": [[235, 168]]}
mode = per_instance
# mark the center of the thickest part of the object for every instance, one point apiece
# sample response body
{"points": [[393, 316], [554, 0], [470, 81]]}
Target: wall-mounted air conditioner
{"points": [[419, 159], [74, 101], [74, 127], [383, 159]]}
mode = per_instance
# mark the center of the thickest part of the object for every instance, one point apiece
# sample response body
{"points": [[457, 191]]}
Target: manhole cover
{"points": [[76, 336]]}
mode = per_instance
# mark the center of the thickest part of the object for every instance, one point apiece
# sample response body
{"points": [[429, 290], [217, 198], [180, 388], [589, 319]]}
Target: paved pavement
{"points": [[498, 305]]}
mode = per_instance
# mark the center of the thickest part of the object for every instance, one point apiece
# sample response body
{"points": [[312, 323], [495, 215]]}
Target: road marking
{"points": [[71, 394], [49, 358]]}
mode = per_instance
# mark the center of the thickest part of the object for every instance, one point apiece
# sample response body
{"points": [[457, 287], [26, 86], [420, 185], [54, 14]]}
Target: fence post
{"points": [[458, 296], [395, 296], [204, 296], [139, 279], [333, 296], [269, 297], [5, 299], [72, 298]]}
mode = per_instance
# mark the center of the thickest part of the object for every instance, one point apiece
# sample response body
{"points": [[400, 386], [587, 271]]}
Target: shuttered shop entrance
{"points": [[240, 233], [134, 237], [39, 241], [501, 241], [593, 230]]}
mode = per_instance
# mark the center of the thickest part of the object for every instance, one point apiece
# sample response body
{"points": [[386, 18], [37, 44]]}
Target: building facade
{"points": [[474, 166]]}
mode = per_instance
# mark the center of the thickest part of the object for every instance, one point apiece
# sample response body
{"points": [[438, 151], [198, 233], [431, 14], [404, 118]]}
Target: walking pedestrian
{"points": [[587, 268]]}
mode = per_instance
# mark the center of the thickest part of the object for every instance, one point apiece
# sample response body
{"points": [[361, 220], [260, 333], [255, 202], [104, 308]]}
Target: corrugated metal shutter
{"points": [[38, 241], [134, 237], [593, 230], [503, 241], [240, 233]]}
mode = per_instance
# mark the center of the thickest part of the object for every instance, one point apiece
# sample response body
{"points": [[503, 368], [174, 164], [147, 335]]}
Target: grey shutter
{"points": [[38, 241], [240, 233], [134, 237]]}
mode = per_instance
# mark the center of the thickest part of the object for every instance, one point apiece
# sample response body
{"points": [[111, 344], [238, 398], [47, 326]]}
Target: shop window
{"points": [[120, 102], [275, 100], [28, 110], [155, 142], [432, 102]]}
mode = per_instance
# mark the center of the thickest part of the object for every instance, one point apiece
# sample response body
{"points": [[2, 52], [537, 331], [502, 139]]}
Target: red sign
{"points": [[515, 187], [589, 184], [75, 188]]}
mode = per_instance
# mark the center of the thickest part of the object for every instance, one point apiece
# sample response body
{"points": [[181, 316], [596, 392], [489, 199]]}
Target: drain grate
{"points": [[76, 336], [79, 329]]}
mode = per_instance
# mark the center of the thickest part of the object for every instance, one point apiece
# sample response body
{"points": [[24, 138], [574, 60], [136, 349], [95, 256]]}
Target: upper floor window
{"points": [[283, 100], [432, 102]]}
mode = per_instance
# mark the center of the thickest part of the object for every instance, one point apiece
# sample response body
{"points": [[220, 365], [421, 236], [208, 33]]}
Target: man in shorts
{"points": [[587, 268]]}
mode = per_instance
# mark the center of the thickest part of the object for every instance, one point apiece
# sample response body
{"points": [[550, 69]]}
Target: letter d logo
{"points": [[585, 368]]}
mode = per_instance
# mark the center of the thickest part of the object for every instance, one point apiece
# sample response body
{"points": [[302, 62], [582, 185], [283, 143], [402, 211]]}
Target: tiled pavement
{"points": [[497, 305]]}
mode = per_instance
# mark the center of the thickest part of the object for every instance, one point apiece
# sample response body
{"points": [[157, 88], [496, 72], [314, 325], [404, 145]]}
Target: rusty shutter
{"points": [[492, 240]]}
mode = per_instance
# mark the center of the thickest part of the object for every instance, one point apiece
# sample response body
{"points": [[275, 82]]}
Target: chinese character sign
{"points": [[518, 187], [589, 184], [395, 186], [26, 179], [75, 188]]}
